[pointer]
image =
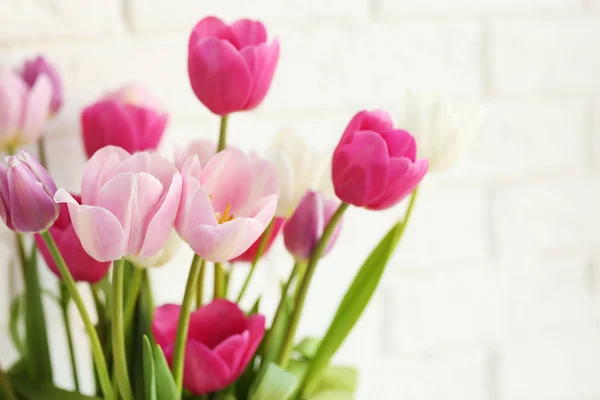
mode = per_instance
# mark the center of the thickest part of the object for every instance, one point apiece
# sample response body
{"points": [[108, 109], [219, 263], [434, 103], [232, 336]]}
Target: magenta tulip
{"points": [[23, 111], [33, 69], [128, 205], [129, 118], [227, 205], [26, 192], [83, 267], [203, 149], [374, 164], [231, 66], [305, 227], [220, 343]]}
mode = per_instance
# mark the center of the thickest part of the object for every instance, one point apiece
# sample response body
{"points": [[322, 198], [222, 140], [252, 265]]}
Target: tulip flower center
{"points": [[225, 217]]}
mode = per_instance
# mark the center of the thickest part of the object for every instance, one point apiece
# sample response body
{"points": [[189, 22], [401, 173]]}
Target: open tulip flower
{"points": [[128, 205], [374, 165], [226, 205], [231, 66], [203, 149], [220, 343]]}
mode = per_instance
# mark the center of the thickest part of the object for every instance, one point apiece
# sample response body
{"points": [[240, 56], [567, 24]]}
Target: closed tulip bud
{"points": [[129, 118], [442, 129], [374, 165], [26, 194], [231, 66], [304, 229], [23, 110], [33, 69]]}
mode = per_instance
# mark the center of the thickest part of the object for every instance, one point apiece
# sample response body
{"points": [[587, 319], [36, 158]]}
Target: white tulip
{"points": [[442, 129], [299, 169]]}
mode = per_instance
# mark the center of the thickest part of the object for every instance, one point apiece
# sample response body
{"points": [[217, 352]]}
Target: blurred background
{"points": [[494, 293]]}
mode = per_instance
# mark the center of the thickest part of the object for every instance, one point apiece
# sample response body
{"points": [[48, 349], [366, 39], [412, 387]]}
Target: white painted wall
{"points": [[493, 295]]}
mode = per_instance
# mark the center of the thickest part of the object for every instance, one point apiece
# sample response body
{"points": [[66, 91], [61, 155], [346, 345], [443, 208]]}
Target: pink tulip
{"points": [[83, 267], [23, 111], [305, 227], [248, 255], [220, 343], [128, 205], [226, 205], [33, 69], [203, 149], [231, 66], [129, 118], [26, 191], [374, 164]]}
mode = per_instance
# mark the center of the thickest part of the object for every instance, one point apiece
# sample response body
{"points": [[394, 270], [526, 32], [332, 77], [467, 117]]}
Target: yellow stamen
{"points": [[225, 217]]}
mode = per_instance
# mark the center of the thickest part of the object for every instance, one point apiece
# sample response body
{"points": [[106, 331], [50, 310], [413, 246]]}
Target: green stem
{"points": [[89, 326], [41, 145], [261, 247], [118, 338], [21, 253], [223, 133], [219, 281], [280, 312], [5, 387], [65, 299], [132, 295], [184, 322], [200, 285], [288, 341]]}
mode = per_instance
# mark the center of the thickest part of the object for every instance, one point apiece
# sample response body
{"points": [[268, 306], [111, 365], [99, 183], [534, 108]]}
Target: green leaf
{"points": [[276, 384], [149, 373], [278, 332], [142, 327], [165, 385], [355, 300], [335, 378], [308, 347], [17, 314], [332, 395], [255, 307], [35, 322]]}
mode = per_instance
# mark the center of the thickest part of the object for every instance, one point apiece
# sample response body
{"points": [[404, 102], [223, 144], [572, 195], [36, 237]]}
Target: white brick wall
{"points": [[494, 293]]}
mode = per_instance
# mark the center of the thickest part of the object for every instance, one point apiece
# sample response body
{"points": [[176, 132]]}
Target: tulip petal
{"points": [[207, 27], [203, 370], [203, 149], [37, 109], [330, 207], [197, 209], [219, 76], [100, 232], [403, 177], [376, 121], [400, 143], [150, 126], [248, 33], [13, 95], [82, 266], [262, 62], [107, 123], [131, 198], [249, 254], [232, 351], [99, 169], [164, 324], [40, 173], [152, 163], [305, 227], [5, 197], [256, 326], [161, 224], [265, 183], [215, 322]]}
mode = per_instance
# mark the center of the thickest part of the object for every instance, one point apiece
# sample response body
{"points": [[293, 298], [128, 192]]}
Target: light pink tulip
{"points": [[226, 205], [128, 204], [231, 66], [23, 111], [374, 165], [304, 229], [203, 149]]}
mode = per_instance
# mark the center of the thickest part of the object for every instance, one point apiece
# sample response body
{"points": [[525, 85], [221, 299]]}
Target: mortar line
{"points": [[486, 68]]}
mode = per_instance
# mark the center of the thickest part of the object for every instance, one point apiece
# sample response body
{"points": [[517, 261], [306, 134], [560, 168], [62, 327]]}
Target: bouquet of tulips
{"points": [[135, 206]]}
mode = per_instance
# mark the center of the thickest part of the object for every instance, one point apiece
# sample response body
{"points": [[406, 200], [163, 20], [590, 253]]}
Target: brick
{"points": [[157, 15], [447, 375], [551, 366], [529, 56], [527, 137], [548, 218], [491, 7], [45, 19]]}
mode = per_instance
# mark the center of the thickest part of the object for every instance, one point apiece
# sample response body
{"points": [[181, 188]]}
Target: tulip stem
{"points": [[223, 133], [5, 387], [118, 338], [219, 281], [65, 299], [41, 145], [200, 284], [288, 341], [184, 322], [278, 315], [99, 360], [261, 248]]}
